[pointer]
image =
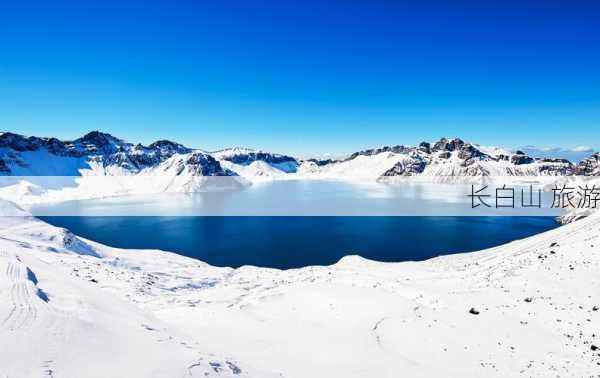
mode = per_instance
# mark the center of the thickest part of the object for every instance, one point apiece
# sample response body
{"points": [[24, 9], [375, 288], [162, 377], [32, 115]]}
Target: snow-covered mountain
{"points": [[99, 164], [589, 166], [444, 161], [256, 165]]}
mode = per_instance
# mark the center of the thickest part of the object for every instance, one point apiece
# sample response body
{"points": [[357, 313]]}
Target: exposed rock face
{"points": [[589, 166], [425, 147], [20, 143], [519, 159], [413, 166], [249, 157], [322, 162], [399, 149], [448, 145], [202, 164], [470, 154], [167, 147], [96, 141]]}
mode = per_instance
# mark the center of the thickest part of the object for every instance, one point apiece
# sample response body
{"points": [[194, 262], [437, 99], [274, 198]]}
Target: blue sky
{"points": [[304, 77]]}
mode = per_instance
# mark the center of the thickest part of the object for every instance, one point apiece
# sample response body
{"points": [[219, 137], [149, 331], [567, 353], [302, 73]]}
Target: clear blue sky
{"points": [[303, 76]]}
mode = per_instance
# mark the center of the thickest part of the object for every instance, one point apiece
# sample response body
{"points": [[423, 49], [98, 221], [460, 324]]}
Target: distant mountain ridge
{"points": [[109, 150], [101, 154]]}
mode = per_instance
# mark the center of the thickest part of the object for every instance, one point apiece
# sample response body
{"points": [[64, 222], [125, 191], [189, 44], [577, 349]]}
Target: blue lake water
{"points": [[290, 241]]}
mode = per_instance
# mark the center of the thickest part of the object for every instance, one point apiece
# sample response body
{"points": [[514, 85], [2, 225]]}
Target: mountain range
{"points": [[166, 166]]}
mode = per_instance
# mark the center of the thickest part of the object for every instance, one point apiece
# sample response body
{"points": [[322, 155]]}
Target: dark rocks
{"points": [[425, 147], [593, 347], [589, 166], [202, 164], [560, 161], [556, 167], [448, 145], [407, 168], [528, 299], [98, 139], [322, 162], [249, 157], [3, 167], [399, 149], [473, 311], [521, 159], [168, 147], [470, 154], [19, 142], [233, 367]]}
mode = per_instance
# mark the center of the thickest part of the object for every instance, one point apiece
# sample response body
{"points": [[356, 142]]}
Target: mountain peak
{"points": [[169, 146], [445, 144], [99, 138]]}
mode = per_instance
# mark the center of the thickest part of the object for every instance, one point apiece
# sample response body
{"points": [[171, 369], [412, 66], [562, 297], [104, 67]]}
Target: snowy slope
{"points": [[57, 320], [257, 171], [70, 306], [360, 168], [241, 157]]}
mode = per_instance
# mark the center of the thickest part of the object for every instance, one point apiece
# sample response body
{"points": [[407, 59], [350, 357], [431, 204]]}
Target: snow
{"points": [[360, 168], [234, 151], [69, 305], [257, 171], [41, 176], [493, 150], [97, 181], [56, 320], [42, 163]]}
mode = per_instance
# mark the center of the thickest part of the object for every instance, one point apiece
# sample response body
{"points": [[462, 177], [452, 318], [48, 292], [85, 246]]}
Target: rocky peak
{"points": [[410, 167], [170, 147], [398, 149], [250, 156], [321, 162], [19, 142], [425, 147], [589, 166], [98, 139], [203, 164], [448, 145], [470, 152], [519, 159]]}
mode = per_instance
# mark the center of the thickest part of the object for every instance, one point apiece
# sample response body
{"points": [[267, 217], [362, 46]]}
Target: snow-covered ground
{"points": [[72, 307]]}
